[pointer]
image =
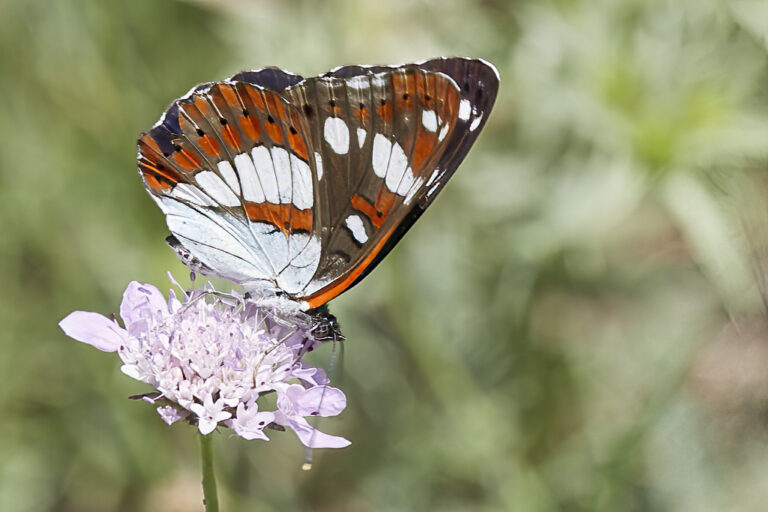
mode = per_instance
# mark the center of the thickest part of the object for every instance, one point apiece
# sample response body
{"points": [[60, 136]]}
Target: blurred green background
{"points": [[575, 325]]}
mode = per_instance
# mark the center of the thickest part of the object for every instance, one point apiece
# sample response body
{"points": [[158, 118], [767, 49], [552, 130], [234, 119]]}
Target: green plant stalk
{"points": [[210, 495]]}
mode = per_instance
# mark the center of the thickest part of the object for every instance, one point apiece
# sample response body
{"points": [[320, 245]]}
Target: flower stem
{"points": [[210, 495]]}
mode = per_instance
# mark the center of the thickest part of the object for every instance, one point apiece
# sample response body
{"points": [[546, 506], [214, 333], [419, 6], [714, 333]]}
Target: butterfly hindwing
{"points": [[242, 189]]}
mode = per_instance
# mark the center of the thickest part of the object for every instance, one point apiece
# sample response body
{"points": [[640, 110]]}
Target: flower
{"points": [[211, 356]]}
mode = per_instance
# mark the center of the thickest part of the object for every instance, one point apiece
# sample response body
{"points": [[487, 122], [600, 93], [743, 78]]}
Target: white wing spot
{"points": [[415, 188], [475, 123], [319, 165], [464, 110], [398, 164], [283, 171], [215, 187], [336, 135], [191, 193], [302, 184], [405, 183], [432, 178], [228, 173], [443, 132], [382, 147], [266, 173], [251, 188], [361, 133], [355, 225], [429, 120]]}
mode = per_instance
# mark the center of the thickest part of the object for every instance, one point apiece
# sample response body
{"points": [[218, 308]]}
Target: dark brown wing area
{"points": [[398, 127], [478, 82], [462, 115]]}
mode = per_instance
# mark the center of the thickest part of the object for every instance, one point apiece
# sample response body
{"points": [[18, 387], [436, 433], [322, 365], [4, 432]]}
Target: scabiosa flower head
{"points": [[211, 356]]}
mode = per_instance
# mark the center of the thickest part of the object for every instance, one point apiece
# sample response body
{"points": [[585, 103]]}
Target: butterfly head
{"points": [[325, 327]]}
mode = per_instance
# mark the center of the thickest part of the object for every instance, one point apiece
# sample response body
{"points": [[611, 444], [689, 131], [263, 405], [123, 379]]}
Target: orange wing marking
{"points": [[301, 220]]}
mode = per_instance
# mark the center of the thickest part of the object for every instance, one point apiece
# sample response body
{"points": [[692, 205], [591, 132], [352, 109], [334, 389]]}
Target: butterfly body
{"points": [[299, 187]]}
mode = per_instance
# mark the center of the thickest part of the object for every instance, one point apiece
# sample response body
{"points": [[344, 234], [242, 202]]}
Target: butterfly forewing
{"points": [[302, 186], [378, 136], [478, 83]]}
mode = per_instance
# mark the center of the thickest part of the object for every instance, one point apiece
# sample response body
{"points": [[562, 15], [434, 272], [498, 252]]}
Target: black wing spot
{"points": [[383, 101], [293, 130], [223, 121], [176, 147], [362, 106], [270, 119], [466, 86], [308, 110], [427, 98], [332, 103], [246, 113], [200, 132], [406, 96]]}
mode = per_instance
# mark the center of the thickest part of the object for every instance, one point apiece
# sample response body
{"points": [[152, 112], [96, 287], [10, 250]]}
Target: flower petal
{"points": [[206, 426], [141, 303], [94, 329], [323, 401], [171, 414], [308, 435], [315, 401]]}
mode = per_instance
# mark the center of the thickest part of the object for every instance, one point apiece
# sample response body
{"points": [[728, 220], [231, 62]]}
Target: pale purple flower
{"points": [[209, 414], [211, 356], [249, 422]]}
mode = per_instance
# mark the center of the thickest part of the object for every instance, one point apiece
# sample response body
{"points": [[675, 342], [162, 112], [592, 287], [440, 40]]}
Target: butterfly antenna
{"points": [[336, 355]]}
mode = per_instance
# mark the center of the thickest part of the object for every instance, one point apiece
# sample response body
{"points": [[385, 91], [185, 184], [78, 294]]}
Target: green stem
{"points": [[210, 496]]}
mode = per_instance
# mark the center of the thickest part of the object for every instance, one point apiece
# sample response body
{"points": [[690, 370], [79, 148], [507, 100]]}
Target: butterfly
{"points": [[299, 187]]}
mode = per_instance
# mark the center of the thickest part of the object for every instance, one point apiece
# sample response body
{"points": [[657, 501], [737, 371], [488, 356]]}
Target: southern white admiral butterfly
{"points": [[299, 187]]}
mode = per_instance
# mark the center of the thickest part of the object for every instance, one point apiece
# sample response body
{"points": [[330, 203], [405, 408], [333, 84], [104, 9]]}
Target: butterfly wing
{"points": [[389, 139], [303, 186], [228, 165], [427, 115], [478, 82]]}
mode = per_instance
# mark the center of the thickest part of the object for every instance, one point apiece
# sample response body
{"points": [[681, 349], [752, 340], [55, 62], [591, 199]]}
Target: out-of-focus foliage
{"points": [[575, 324]]}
